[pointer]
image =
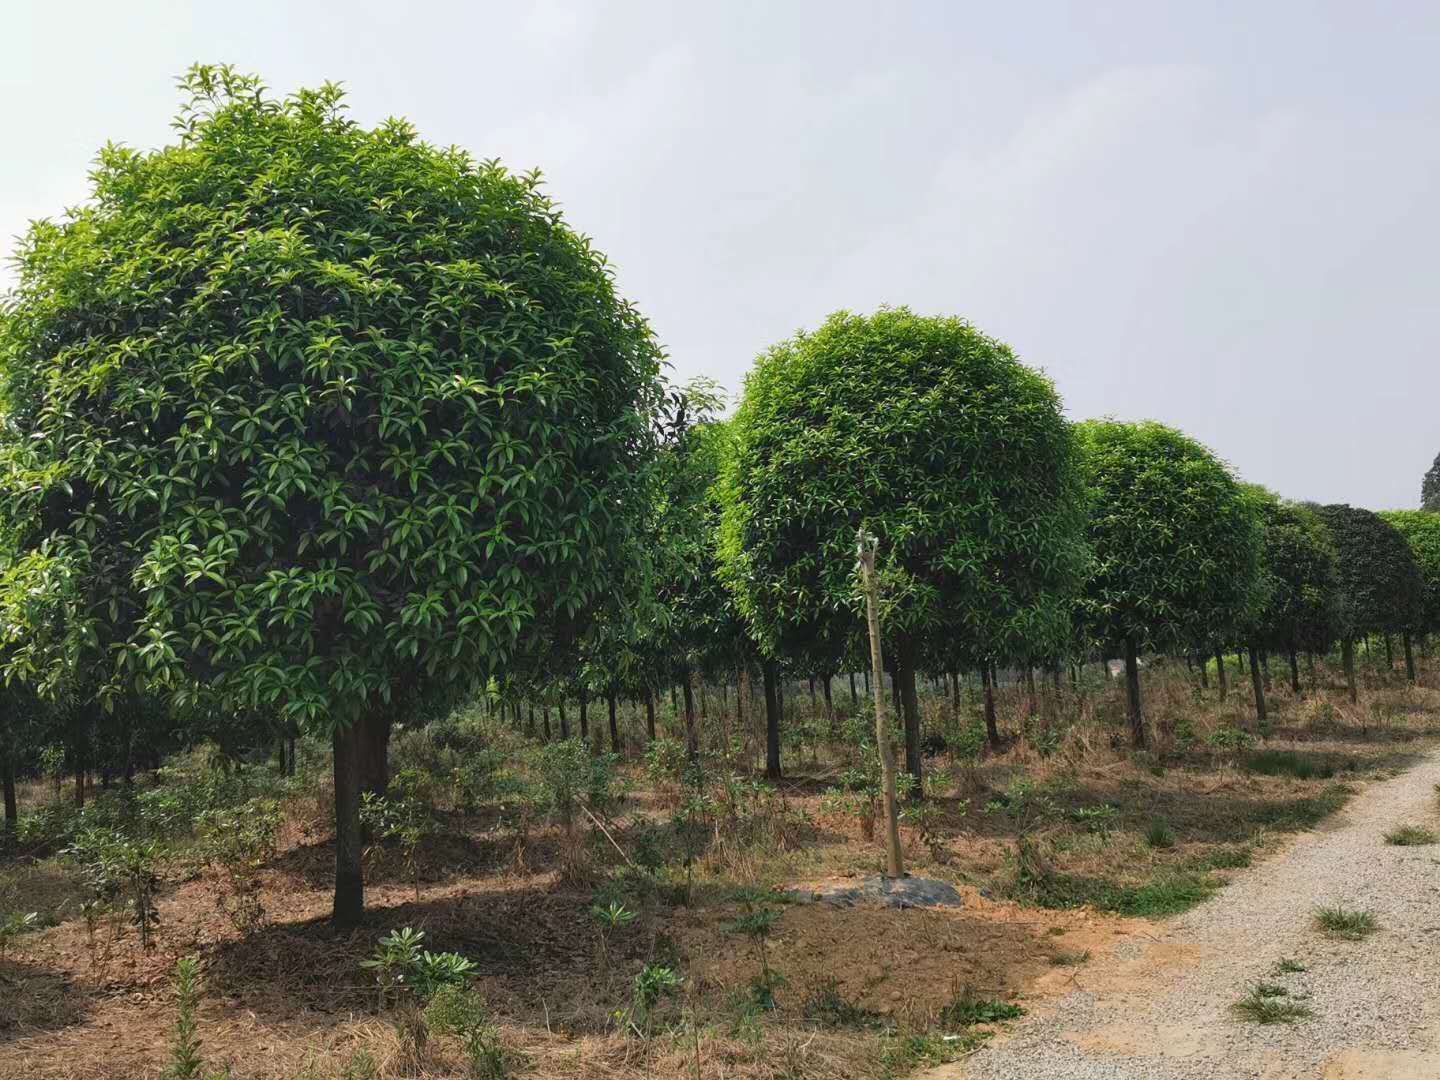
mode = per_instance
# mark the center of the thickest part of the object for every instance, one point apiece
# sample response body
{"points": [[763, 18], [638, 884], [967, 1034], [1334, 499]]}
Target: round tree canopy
{"points": [[1421, 529], [1300, 583], [309, 414], [936, 439], [1380, 586], [1177, 542]]}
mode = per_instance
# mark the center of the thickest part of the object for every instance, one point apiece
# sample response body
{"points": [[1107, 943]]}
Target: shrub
{"points": [[1411, 836], [460, 1011], [237, 843]]}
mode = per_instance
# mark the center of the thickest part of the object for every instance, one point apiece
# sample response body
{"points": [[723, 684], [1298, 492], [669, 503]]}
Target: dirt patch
{"points": [[907, 962]]}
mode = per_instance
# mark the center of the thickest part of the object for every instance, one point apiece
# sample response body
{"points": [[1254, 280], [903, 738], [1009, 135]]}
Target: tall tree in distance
{"points": [[332, 418], [932, 437], [1380, 588], [1176, 541], [1421, 530], [1430, 487]]}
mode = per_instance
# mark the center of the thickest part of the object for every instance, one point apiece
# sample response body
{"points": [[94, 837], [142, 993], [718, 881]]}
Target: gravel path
{"points": [[1160, 1010]]}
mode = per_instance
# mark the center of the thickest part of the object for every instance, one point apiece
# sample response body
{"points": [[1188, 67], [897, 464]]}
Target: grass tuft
{"points": [[1345, 924], [1070, 959], [1160, 835], [1411, 836], [1270, 1008], [1289, 966]]}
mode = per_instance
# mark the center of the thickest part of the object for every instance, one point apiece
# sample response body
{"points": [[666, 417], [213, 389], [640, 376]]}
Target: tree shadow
{"points": [[37, 999]]}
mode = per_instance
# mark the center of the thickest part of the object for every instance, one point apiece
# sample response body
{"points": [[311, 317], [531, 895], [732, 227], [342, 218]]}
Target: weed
{"points": [[1270, 990], [1160, 835], [460, 1011], [1346, 924], [966, 1011], [1289, 966], [12, 926], [830, 1008], [1069, 959], [1411, 836], [654, 982], [1270, 1008]]}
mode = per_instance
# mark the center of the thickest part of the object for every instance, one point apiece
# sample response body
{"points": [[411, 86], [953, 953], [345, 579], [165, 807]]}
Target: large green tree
{"points": [[1300, 586], [1380, 587], [933, 438], [1176, 542], [1421, 530], [320, 418], [1430, 486]]}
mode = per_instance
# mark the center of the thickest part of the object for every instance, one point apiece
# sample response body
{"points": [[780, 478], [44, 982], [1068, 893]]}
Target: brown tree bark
{"points": [[772, 721], [910, 710], [1409, 659], [1294, 673], [829, 706], [1347, 662], [614, 728], [650, 714], [585, 714], [374, 754], [992, 731], [1132, 689], [1259, 683], [564, 722], [1224, 680], [349, 878]]}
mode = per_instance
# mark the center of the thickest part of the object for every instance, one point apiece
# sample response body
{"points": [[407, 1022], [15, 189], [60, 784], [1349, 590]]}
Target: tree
{"points": [[318, 418], [933, 438], [1430, 487], [1421, 530], [1380, 588], [1176, 542], [1300, 606]]}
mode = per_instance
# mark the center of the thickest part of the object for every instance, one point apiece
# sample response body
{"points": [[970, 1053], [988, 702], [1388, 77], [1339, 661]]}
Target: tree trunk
{"points": [[700, 686], [1347, 662], [373, 733], [829, 707], [910, 706], [530, 718], [854, 697], [1132, 688], [1033, 697], [1409, 658], [585, 713], [564, 723], [545, 721], [894, 859], [614, 727], [1259, 683], [1294, 672], [1204, 662], [1389, 655], [1223, 678], [992, 731], [692, 739], [650, 714], [812, 694], [7, 781], [772, 721], [867, 681], [349, 878]]}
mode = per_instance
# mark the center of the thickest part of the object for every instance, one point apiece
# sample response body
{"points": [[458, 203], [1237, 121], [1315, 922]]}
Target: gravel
{"points": [[1376, 1002]]}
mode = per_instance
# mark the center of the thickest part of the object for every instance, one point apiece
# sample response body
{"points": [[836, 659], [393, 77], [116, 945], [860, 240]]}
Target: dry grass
{"points": [[290, 999]]}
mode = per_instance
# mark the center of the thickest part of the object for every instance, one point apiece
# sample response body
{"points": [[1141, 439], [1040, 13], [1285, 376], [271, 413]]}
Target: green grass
{"points": [[1297, 815], [1288, 966], [967, 1011], [1345, 924], [1229, 858], [1169, 892], [1160, 835], [1295, 764], [1410, 836], [1264, 1006]]}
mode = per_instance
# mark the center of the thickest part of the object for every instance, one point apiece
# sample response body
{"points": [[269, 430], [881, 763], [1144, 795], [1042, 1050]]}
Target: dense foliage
{"points": [[1430, 487], [1299, 586], [1421, 530], [314, 417], [1176, 542], [935, 439]]}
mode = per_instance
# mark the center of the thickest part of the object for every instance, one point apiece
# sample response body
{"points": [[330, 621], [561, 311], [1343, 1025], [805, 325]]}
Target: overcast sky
{"points": [[1224, 216]]}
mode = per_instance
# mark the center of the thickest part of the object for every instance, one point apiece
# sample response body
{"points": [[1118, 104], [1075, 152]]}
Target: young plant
{"points": [[654, 982], [185, 1060], [757, 923], [460, 1011], [12, 926], [236, 843], [406, 816], [609, 918]]}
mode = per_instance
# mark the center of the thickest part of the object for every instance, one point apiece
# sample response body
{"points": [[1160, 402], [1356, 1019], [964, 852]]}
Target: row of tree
{"points": [[308, 426]]}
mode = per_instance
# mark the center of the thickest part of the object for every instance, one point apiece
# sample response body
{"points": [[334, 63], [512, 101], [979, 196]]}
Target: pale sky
{"points": [[1223, 216]]}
